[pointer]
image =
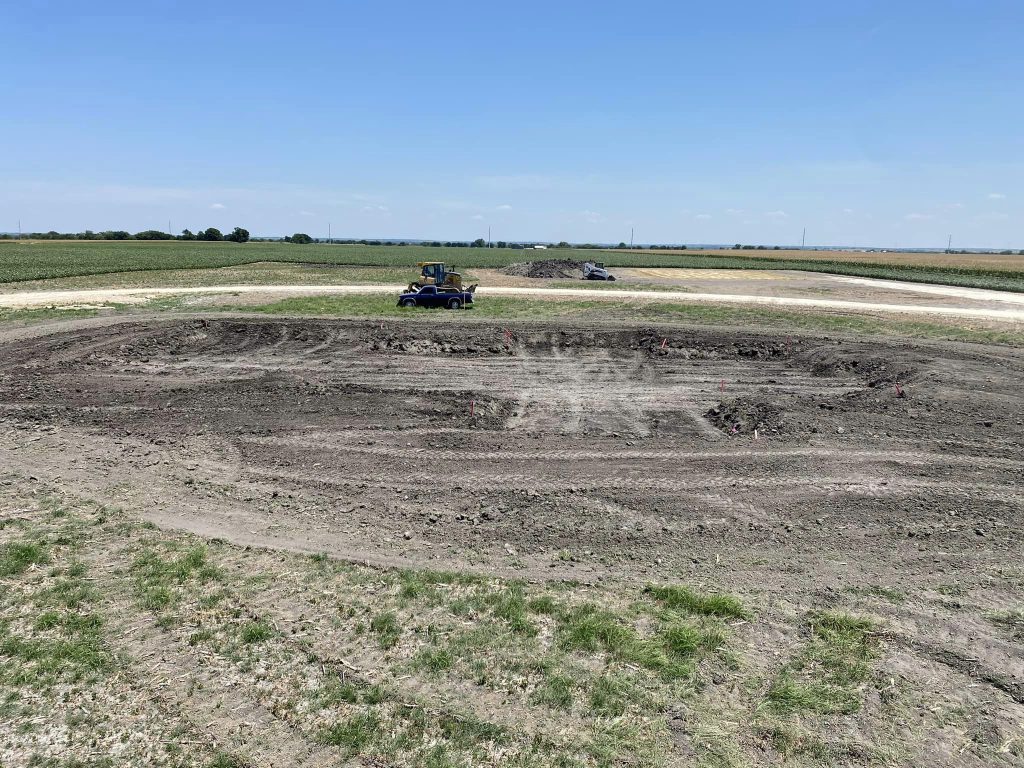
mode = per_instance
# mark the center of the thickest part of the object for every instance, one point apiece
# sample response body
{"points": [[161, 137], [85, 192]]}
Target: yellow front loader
{"points": [[435, 273]]}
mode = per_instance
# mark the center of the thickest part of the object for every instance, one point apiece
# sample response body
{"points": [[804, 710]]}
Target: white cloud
{"points": [[218, 206], [918, 217], [996, 196], [848, 211], [306, 213], [374, 209], [991, 217], [478, 217], [777, 215], [703, 216], [592, 216], [735, 211], [954, 206], [505, 207]]}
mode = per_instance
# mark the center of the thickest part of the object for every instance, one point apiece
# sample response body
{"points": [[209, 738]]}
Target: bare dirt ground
{"points": [[884, 480]]}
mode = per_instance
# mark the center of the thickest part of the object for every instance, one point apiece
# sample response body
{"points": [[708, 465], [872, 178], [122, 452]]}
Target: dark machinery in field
{"points": [[596, 271], [436, 273]]}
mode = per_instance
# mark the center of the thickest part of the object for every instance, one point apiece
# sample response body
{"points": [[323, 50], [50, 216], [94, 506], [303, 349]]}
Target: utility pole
{"points": [[631, 237], [803, 239], [488, 236], [19, 229], [328, 233], [169, 230], [949, 244]]}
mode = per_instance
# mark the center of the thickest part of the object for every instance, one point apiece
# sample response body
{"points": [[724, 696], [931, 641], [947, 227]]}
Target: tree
{"points": [[212, 234], [300, 238], [502, 244], [153, 234], [621, 245], [238, 235], [186, 234], [478, 243], [562, 244]]}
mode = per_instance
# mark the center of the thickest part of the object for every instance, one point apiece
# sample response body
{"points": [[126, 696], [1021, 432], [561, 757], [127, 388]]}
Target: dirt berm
{"points": [[547, 268]]}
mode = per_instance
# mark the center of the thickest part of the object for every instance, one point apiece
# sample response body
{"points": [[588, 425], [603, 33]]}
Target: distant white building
{"points": [[540, 247]]}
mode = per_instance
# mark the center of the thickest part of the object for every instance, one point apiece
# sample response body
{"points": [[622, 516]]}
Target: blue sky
{"points": [[870, 123]]}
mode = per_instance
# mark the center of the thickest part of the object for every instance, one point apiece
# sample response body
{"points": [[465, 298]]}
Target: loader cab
{"points": [[433, 272]]}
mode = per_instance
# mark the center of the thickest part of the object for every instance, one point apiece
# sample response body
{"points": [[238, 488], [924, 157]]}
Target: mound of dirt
{"points": [[548, 268], [743, 416]]}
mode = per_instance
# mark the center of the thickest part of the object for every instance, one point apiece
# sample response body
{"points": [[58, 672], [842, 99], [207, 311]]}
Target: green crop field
{"points": [[24, 260]]}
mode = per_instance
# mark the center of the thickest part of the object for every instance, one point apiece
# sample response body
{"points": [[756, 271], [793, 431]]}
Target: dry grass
{"points": [[1009, 262]]}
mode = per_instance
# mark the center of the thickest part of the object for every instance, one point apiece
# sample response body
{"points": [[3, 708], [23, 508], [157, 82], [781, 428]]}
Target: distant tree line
{"points": [[237, 235], [301, 238]]}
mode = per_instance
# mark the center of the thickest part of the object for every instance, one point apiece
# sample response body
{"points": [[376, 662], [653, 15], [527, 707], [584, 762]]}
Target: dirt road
{"points": [[993, 303]]}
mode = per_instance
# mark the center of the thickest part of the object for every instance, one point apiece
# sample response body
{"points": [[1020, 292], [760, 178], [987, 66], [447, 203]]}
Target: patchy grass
{"points": [[45, 313], [434, 659], [158, 579], [60, 640], [684, 599], [826, 676], [408, 667], [355, 733], [387, 628], [671, 651], [18, 556], [256, 632], [556, 692]]}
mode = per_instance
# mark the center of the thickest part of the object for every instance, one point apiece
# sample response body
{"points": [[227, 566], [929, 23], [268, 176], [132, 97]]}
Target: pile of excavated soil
{"points": [[549, 268]]}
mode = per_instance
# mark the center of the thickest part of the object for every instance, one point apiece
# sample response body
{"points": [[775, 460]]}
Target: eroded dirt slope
{"points": [[589, 453]]}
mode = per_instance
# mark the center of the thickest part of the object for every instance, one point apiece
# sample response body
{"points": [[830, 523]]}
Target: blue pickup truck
{"points": [[432, 296]]}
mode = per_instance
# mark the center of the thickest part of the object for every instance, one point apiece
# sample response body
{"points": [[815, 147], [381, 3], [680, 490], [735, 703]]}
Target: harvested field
{"points": [[530, 544]]}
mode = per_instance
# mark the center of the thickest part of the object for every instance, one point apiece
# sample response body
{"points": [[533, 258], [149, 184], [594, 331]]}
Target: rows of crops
{"points": [[50, 259]]}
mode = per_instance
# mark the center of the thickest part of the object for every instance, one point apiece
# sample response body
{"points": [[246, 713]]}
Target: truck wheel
{"points": [[611, 278], [455, 304], [408, 302]]}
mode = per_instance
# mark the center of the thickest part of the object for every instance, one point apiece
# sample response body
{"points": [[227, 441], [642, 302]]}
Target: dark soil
{"points": [[549, 268]]}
